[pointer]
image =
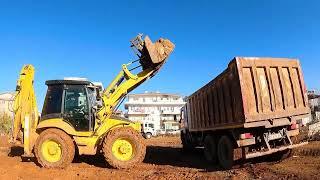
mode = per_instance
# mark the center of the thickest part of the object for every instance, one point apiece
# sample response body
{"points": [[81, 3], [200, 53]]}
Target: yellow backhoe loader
{"points": [[77, 117]]}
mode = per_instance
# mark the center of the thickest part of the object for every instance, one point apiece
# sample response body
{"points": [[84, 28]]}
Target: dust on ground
{"points": [[165, 160]]}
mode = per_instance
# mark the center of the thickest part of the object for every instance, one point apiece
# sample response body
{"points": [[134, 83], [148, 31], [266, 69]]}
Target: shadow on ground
{"points": [[174, 156], [157, 155]]}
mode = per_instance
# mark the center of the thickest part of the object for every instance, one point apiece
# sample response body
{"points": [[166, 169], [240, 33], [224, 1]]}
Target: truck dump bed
{"points": [[251, 92]]}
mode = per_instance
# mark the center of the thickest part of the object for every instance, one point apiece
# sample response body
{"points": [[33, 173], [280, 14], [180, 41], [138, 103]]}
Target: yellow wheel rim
{"points": [[51, 151], [123, 149]]}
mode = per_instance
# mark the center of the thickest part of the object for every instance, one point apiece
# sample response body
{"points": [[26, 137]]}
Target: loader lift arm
{"points": [[151, 58]]}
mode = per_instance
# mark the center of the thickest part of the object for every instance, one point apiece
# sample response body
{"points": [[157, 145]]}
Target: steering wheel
{"points": [[79, 109]]}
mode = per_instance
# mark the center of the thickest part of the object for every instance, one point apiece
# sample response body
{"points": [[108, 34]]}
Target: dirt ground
{"points": [[164, 160]]}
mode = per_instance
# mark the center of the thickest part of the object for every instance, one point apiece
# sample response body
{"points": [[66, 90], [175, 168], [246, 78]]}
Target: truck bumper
{"points": [[274, 150]]}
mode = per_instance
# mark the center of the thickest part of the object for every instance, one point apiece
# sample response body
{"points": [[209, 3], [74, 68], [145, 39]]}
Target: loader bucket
{"points": [[153, 55]]}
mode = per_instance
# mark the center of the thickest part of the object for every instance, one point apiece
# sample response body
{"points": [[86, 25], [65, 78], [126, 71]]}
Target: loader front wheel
{"points": [[54, 149], [123, 148]]}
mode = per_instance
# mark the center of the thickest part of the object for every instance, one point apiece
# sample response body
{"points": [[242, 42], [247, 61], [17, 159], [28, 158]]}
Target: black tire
{"points": [[130, 135], [148, 135], [225, 152], [286, 154], [65, 143], [282, 155], [210, 149], [186, 144]]}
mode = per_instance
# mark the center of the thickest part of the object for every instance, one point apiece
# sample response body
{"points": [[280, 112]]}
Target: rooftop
{"points": [[154, 94], [7, 96], [313, 94]]}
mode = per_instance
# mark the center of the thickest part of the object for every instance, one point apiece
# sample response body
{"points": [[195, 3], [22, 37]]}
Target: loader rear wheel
{"points": [[54, 149], [123, 148]]}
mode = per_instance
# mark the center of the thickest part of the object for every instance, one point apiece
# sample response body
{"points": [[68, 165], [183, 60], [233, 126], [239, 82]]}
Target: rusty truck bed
{"points": [[251, 92]]}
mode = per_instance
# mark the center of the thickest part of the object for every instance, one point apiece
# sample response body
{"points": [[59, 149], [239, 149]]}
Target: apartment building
{"points": [[160, 109], [6, 103]]}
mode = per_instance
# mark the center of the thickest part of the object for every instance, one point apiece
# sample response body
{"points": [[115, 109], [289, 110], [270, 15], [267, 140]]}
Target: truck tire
{"points": [[186, 144], [124, 148], [210, 149], [54, 149], [148, 135], [286, 154], [282, 155], [225, 152]]}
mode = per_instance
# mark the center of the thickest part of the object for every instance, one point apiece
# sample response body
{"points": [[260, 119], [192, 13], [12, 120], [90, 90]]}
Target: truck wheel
{"points": [[123, 148], [186, 144], [148, 135], [282, 155], [286, 154], [210, 149], [54, 149], [225, 152]]}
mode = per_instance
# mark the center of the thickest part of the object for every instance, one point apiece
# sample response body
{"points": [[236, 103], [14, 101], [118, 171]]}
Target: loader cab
{"points": [[72, 101]]}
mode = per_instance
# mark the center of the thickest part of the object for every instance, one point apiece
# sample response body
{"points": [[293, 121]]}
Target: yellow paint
{"points": [[124, 82], [60, 124], [25, 103], [26, 140], [123, 149], [51, 151], [25, 107]]}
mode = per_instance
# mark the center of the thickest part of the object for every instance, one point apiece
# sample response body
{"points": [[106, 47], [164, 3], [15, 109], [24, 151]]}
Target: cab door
{"points": [[76, 107]]}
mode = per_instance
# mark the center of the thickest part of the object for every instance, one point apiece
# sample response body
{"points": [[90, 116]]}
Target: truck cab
{"points": [[148, 130]]}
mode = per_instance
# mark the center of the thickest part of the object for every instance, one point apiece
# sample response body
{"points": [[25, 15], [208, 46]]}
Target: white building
{"points": [[6, 103], [314, 102], [160, 109]]}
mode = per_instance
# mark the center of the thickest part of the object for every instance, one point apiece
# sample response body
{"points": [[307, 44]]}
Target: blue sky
{"points": [[64, 38]]}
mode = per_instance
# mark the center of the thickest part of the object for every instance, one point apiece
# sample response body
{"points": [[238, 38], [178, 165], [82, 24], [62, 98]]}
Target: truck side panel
{"points": [[218, 104], [249, 90]]}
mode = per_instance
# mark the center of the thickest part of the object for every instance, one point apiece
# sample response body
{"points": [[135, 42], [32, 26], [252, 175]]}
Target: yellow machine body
{"points": [[87, 142]]}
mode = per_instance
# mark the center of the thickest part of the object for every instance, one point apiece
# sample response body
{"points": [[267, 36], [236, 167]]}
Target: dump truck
{"points": [[256, 106], [77, 118]]}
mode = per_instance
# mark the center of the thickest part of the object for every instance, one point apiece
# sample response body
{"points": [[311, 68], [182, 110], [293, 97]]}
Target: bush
{"points": [[315, 137], [5, 123]]}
